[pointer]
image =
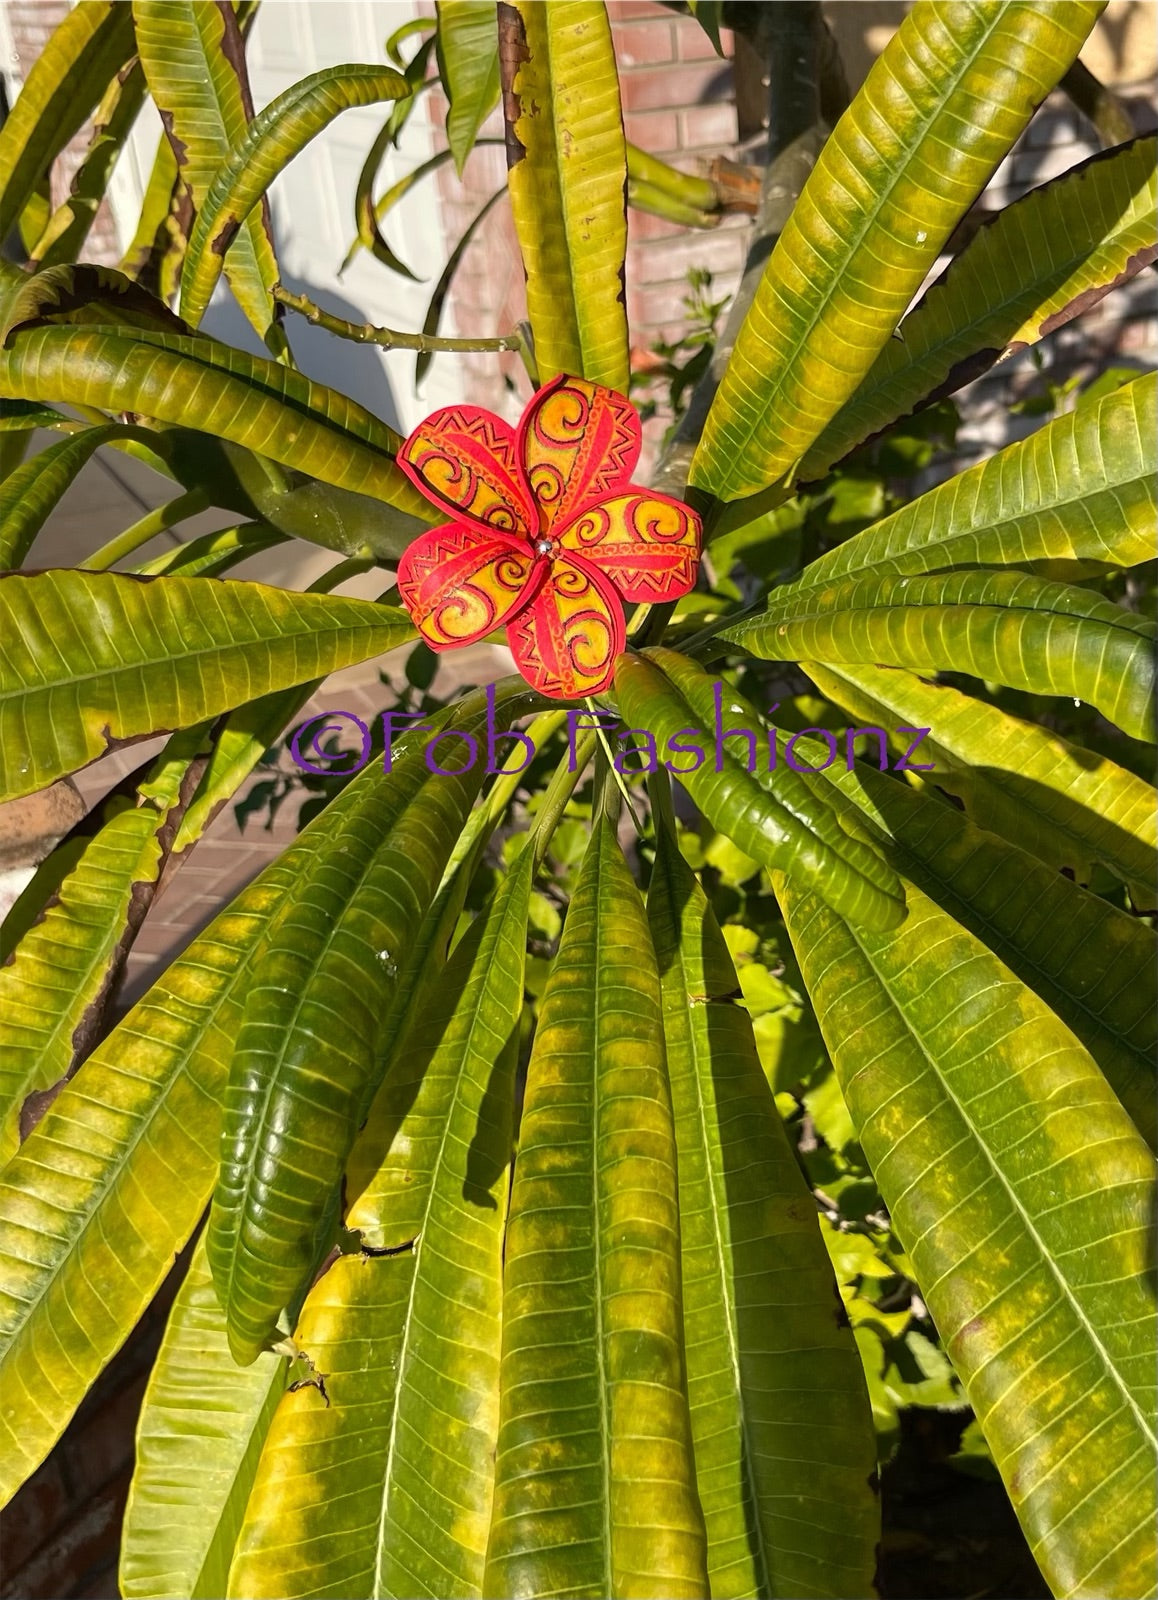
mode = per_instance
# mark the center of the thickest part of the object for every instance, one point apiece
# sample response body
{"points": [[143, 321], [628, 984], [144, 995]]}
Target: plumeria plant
{"points": [[520, 1272]]}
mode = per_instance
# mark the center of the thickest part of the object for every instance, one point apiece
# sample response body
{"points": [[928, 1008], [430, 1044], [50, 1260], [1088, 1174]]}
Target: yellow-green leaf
{"points": [[567, 173], [90, 658], [384, 1486], [202, 1425], [890, 185], [1080, 489], [1068, 806], [196, 383], [1023, 1196], [1003, 627], [54, 991], [85, 52], [194, 59], [256, 157], [783, 1434], [1037, 264], [468, 61], [595, 1482]]}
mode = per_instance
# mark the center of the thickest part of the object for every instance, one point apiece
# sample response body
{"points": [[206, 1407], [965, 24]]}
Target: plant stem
{"points": [[1108, 112], [557, 796], [387, 338], [696, 194], [505, 784], [614, 771], [148, 527]]}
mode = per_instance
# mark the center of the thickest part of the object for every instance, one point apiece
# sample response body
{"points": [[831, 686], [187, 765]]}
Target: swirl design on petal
{"points": [[566, 640], [647, 544], [579, 442], [459, 583], [467, 460]]}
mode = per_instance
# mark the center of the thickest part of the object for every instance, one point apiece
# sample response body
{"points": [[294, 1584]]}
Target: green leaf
{"points": [[1096, 967], [68, 228], [254, 160], [55, 990], [1081, 489], [111, 1183], [248, 732], [709, 14], [298, 507], [302, 1071], [157, 248], [92, 658], [84, 53], [434, 310], [468, 62], [1068, 806], [1023, 1196], [889, 187], [778, 819], [194, 58], [390, 1482], [213, 553], [202, 1425], [1047, 258], [782, 1430], [29, 495], [567, 189], [196, 383], [1003, 627], [595, 1482]]}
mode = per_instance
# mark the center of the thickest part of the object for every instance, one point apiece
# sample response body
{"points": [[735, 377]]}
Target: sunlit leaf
{"points": [[889, 187]]}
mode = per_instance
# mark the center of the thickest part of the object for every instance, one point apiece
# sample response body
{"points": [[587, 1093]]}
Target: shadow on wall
{"points": [[355, 370]]}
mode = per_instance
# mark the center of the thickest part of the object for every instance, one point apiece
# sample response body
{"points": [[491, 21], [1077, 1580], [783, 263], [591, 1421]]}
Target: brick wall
{"points": [[30, 24]]}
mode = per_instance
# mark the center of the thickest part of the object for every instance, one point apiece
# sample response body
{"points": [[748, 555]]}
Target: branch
{"points": [[388, 338], [1108, 112]]}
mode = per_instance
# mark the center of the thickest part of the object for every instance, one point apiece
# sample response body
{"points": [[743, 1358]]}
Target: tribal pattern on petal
{"points": [[579, 442], [459, 583], [467, 460], [647, 544], [566, 641]]}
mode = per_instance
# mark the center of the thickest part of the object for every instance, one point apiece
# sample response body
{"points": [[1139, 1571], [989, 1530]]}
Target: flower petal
{"points": [[467, 461], [578, 442], [459, 583], [647, 544], [566, 640]]}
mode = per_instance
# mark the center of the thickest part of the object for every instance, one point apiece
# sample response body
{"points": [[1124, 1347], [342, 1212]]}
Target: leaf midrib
{"points": [[1016, 1204], [491, 941], [741, 444], [24, 692], [723, 1254]]}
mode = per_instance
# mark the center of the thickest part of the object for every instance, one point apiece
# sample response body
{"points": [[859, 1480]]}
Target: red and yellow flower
{"points": [[548, 535]]}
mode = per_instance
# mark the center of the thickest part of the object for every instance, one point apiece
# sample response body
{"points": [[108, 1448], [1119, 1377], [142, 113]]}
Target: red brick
{"points": [[657, 132], [693, 44], [37, 1511], [642, 226], [644, 44], [676, 86], [624, 10], [660, 307], [667, 261], [708, 127], [79, 1551]]}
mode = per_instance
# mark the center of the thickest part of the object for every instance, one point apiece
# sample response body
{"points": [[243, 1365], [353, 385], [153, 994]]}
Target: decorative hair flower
{"points": [[549, 533]]}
